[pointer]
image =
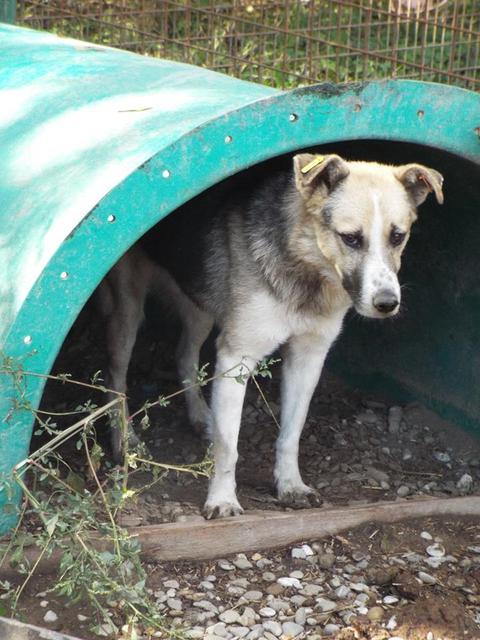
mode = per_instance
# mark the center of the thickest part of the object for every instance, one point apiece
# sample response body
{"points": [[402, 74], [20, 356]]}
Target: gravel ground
{"points": [[418, 580]]}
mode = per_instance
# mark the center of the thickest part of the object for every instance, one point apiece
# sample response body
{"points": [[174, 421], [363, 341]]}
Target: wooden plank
{"points": [[261, 530], [256, 531]]}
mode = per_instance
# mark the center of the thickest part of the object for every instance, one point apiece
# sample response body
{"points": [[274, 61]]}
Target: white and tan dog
{"points": [[274, 265]]}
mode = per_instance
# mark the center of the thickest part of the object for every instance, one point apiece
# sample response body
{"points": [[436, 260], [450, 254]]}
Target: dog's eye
{"points": [[352, 240], [397, 237]]}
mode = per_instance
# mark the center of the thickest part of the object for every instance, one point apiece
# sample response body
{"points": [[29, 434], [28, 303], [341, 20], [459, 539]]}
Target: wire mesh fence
{"points": [[283, 43]]}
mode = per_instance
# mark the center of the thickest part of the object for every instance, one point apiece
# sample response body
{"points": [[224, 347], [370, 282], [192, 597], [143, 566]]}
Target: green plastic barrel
{"points": [[97, 145]]}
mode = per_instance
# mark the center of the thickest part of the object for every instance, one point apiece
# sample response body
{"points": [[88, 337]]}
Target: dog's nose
{"points": [[385, 301]]}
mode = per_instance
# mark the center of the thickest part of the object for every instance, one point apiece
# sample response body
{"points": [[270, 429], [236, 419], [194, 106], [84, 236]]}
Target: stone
{"points": [[171, 584], [253, 596], [225, 565], [324, 604], [241, 562], [174, 603], [311, 589], [290, 582], [267, 612], [291, 629], [206, 605], [395, 415], [50, 616], [273, 627], [326, 560], [426, 578], [465, 483], [442, 456], [229, 616], [390, 600], [376, 474], [208, 586], [436, 550], [375, 614], [342, 592], [331, 629], [237, 631], [275, 589], [403, 491], [297, 574]]}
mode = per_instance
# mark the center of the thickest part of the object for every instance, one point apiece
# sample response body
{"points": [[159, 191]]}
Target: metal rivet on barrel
{"points": [[111, 218], [166, 173], [64, 275], [293, 117], [27, 339], [228, 139]]}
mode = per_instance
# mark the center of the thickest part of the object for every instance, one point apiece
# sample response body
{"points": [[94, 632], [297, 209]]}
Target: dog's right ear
{"points": [[312, 171]]}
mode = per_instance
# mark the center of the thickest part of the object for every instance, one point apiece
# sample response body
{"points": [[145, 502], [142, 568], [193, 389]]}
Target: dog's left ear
{"points": [[419, 181], [315, 170]]}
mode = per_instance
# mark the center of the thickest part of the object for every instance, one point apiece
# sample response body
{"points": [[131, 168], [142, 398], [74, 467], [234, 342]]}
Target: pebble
{"points": [[442, 456], [325, 605], [237, 631], [81, 617], [267, 612], [171, 584], [436, 550], [50, 616], [342, 591], [273, 627], [225, 565], [326, 560], [330, 629], [375, 614], [206, 584], [390, 599], [403, 491], [229, 616], [395, 415], [174, 603], [253, 596], [426, 578], [290, 582], [291, 629], [44, 603], [465, 483], [426, 536], [241, 562], [311, 589]]}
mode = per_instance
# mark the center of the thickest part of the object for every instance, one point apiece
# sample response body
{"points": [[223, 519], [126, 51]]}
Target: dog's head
{"points": [[361, 213]]}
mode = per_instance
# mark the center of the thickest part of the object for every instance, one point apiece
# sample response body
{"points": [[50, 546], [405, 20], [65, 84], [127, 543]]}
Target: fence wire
{"points": [[284, 43]]}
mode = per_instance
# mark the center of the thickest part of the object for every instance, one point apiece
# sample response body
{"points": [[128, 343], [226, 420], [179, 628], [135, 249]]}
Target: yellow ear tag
{"points": [[312, 164]]}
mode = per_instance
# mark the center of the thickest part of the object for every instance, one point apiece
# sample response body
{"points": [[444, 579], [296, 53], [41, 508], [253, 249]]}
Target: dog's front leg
{"points": [[303, 362], [228, 394]]}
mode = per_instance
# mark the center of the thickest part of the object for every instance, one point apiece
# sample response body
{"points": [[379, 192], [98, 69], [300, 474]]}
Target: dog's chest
{"points": [[264, 315]]}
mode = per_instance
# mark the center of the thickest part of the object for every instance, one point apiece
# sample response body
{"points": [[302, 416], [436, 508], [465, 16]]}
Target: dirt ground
{"points": [[352, 454], [448, 609]]}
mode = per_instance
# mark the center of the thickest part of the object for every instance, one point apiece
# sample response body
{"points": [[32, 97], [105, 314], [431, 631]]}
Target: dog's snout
{"points": [[385, 301]]}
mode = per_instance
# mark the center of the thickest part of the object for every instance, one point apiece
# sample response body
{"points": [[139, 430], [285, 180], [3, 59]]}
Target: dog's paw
{"points": [[298, 496], [213, 509]]}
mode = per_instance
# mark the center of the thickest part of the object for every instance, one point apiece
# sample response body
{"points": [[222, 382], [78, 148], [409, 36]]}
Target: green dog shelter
{"points": [[97, 145]]}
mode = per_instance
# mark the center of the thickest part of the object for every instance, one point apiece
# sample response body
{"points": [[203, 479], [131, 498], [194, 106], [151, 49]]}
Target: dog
{"points": [[272, 265]]}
